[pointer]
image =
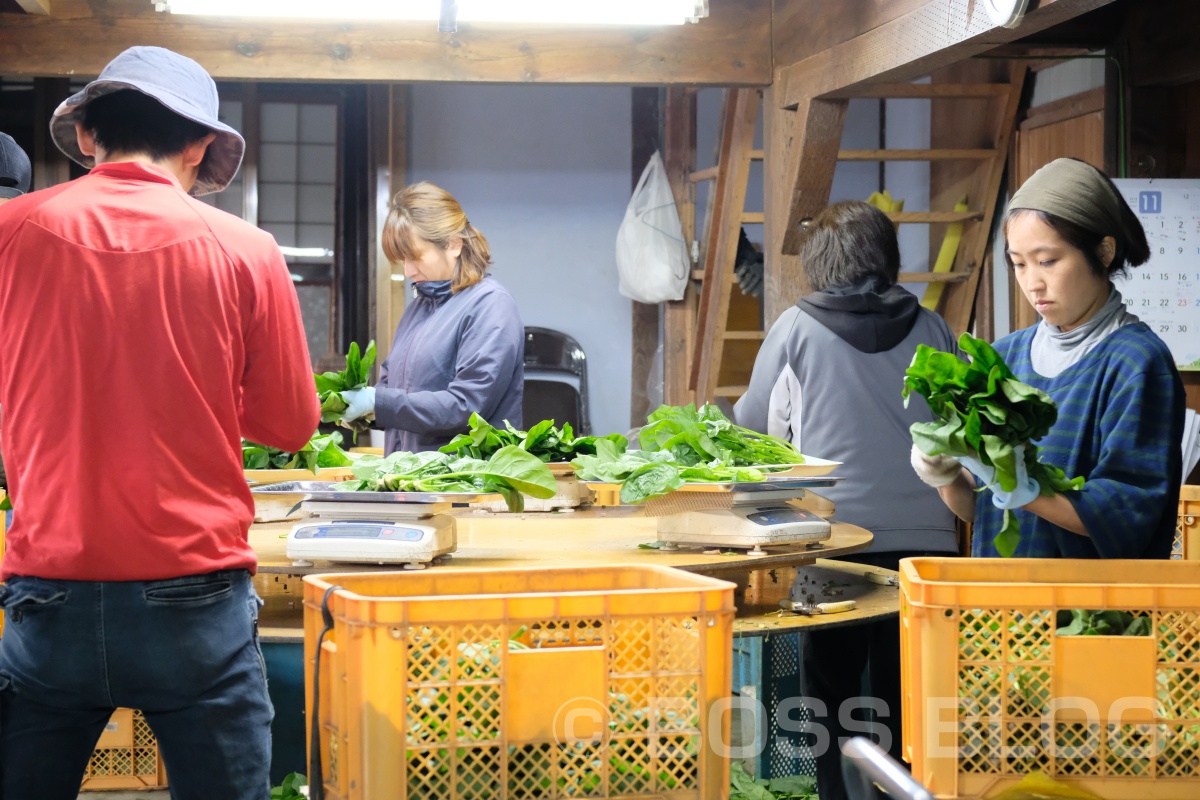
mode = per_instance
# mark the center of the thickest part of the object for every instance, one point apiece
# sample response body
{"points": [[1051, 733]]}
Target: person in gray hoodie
{"points": [[460, 346], [828, 379]]}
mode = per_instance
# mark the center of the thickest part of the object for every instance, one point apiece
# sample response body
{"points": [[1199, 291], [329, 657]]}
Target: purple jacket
{"points": [[453, 354]]}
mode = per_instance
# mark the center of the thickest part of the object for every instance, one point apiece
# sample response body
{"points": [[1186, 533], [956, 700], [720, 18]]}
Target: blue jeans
{"points": [[184, 651]]}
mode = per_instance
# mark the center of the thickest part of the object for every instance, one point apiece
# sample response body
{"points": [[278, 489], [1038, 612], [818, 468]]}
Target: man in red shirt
{"points": [[144, 334]]}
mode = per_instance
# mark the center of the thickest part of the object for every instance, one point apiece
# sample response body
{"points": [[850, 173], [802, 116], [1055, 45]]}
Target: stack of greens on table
{"points": [[744, 786], [543, 440], [330, 386], [984, 412], [510, 472], [322, 450], [683, 444]]}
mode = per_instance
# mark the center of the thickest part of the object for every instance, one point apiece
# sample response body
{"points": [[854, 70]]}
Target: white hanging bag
{"points": [[652, 257]]}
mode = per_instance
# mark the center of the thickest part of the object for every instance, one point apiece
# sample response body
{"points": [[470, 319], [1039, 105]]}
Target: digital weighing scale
{"points": [[408, 528], [743, 515]]}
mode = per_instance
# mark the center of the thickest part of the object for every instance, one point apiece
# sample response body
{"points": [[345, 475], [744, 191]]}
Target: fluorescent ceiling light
{"points": [[526, 12], [305, 252]]}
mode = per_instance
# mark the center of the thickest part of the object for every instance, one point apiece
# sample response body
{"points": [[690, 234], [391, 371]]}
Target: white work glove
{"points": [[935, 471], [1026, 490], [359, 403]]}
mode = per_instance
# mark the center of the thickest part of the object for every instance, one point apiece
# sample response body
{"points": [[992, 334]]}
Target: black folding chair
{"points": [[555, 380]]}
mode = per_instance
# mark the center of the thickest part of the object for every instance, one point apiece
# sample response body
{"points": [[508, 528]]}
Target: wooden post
{"points": [[50, 166], [645, 126], [388, 134], [679, 317]]}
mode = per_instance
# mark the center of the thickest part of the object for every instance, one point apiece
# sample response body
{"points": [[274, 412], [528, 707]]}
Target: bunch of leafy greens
{"points": [[543, 440], [330, 386], [1079, 622], [683, 444], [984, 412], [510, 472], [290, 788], [706, 436], [645, 474], [322, 450], [744, 786]]}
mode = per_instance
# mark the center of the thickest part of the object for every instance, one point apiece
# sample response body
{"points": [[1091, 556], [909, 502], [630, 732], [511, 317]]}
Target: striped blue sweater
{"points": [[1120, 425]]}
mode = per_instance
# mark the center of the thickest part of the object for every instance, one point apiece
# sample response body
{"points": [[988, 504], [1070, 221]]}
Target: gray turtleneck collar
{"points": [[1053, 350]]}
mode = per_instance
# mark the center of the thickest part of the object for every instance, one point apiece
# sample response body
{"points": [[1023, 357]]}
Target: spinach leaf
{"points": [[650, 480], [1082, 622], [322, 450], [330, 385], [510, 472], [744, 786], [704, 435], [983, 411], [543, 440], [290, 788]]}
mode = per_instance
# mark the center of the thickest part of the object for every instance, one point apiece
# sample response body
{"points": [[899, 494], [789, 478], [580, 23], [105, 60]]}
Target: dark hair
{"points": [[1127, 254], [847, 243], [1132, 249], [127, 121]]}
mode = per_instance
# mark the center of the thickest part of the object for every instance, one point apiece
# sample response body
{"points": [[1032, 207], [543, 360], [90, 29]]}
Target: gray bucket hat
{"points": [[14, 168], [176, 81]]}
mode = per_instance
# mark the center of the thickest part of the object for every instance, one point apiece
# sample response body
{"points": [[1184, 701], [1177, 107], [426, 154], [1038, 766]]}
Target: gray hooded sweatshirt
{"points": [[828, 379], [453, 354]]}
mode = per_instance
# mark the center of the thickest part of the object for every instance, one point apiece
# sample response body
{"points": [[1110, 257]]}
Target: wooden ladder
{"points": [[729, 324], [977, 173]]}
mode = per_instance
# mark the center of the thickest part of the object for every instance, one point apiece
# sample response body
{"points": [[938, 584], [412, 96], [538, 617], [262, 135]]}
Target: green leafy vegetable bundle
{"points": [[1080, 622], [645, 474], [330, 385], [543, 440], [290, 788], [744, 786], [984, 412], [510, 472], [706, 436], [681, 444], [322, 450]]}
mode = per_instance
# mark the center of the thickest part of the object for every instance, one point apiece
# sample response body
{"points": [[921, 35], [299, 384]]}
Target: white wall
{"points": [[544, 173]]}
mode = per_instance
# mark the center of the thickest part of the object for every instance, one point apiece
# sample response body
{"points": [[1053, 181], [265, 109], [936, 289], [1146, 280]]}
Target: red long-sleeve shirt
{"points": [[142, 334]]}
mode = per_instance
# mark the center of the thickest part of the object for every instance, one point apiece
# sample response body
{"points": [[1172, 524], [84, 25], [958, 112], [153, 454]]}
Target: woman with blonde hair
{"points": [[460, 346]]}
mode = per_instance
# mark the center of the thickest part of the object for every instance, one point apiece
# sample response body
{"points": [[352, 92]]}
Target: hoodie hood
{"points": [[869, 319]]}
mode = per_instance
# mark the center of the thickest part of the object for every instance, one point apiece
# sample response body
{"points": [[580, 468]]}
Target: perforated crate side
{"points": [[478, 717], [1187, 526], [993, 693], [132, 763]]}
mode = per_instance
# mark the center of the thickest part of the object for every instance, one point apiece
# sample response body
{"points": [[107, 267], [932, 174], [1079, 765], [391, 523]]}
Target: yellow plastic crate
{"points": [[1187, 529], [126, 757], [510, 684], [991, 693]]}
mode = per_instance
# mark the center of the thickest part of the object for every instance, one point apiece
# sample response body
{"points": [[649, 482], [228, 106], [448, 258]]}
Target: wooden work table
{"points": [[596, 536]]}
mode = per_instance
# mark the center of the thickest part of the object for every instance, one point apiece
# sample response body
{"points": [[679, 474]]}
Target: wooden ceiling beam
{"points": [[35, 6], [811, 157], [939, 33], [729, 47]]}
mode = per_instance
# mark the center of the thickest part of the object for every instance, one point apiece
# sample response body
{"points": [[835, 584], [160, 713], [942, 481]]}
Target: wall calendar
{"points": [[1165, 291]]}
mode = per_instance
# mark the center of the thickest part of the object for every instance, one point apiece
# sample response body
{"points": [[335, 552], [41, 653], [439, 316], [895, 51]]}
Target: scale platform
{"points": [[408, 528], [746, 515]]}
